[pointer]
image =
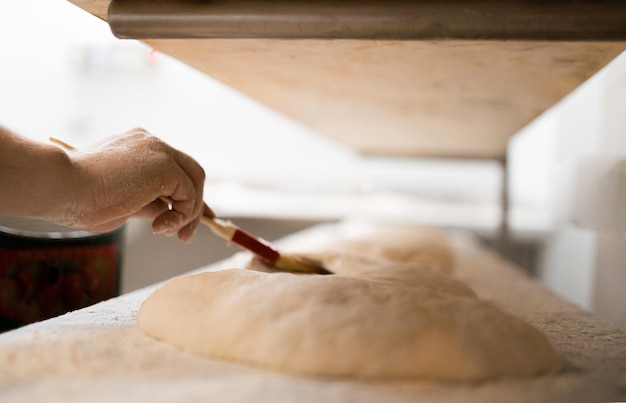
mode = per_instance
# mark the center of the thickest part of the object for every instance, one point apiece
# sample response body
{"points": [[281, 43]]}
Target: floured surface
{"points": [[98, 354]]}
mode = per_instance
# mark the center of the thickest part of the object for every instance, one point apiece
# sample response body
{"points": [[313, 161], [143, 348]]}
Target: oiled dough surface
{"points": [[378, 320]]}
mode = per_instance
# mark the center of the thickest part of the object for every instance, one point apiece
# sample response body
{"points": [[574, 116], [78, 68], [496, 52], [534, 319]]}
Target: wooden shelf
{"points": [[457, 96]]}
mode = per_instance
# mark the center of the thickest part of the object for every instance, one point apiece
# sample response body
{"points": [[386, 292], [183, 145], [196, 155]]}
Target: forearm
{"points": [[98, 188], [36, 179]]}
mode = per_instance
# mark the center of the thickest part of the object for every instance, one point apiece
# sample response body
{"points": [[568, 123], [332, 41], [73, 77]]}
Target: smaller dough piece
{"points": [[427, 247], [402, 274], [345, 326]]}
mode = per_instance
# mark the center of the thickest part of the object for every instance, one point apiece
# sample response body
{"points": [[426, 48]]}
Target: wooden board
{"points": [[450, 98], [98, 353]]}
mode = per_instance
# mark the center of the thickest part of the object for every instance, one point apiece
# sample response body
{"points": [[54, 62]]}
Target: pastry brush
{"points": [[261, 248]]}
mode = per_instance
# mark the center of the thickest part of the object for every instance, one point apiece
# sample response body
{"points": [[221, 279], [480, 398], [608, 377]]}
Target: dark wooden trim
{"points": [[378, 19]]}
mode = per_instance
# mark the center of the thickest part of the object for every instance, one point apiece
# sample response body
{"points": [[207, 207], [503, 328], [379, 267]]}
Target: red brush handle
{"points": [[263, 249]]}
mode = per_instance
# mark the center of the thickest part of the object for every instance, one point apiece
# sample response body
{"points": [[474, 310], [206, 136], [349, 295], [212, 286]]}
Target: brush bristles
{"points": [[300, 265]]}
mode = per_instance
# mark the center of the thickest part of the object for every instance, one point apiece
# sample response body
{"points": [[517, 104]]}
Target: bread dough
{"points": [[371, 319], [423, 246]]}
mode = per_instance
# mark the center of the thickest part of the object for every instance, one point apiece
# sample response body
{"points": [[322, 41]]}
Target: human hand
{"points": [[125, 175]]}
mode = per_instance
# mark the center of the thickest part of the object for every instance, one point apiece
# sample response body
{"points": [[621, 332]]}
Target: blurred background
{"points": [[63, 74]]}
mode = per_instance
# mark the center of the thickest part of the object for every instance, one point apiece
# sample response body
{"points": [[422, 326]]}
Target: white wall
{"points": [[577, 152]]}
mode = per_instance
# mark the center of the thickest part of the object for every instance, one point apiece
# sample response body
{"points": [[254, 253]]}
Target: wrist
{"points": [[40, 180], [64, 187]]}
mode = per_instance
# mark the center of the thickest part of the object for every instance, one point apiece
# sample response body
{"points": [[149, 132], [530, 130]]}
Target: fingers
{"points": [[208, 212], [152, 210], [187, 233], [184, 185], [186, 200], [197, 176], [169, 223]]}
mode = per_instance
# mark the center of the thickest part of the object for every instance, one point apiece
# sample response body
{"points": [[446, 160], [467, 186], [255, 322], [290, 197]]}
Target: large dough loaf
{"points": [[372, 319]]}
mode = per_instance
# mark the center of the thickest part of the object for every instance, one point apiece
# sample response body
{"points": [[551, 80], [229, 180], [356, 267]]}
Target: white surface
{"points": [[568, 264], [599, 200], [586, 178]]}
